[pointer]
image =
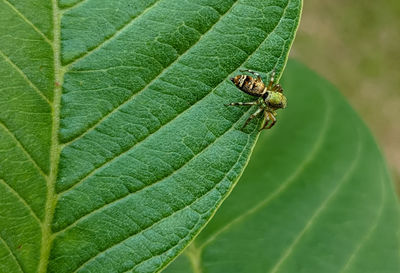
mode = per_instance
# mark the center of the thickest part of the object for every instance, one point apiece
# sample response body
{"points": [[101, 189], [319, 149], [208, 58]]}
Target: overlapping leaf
{"points": [[115, 145]]}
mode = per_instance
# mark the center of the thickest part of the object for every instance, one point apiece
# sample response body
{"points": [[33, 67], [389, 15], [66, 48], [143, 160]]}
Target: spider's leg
{"points": [[252, 72], [273, 120], [271, 80], [266, 120], [259, 110], [277, 88], [241, 103]]}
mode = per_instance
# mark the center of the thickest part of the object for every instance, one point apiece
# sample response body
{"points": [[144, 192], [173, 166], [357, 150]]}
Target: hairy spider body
{"points": [[270, 98]]}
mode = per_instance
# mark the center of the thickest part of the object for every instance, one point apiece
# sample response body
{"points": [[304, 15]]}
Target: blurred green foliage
{"points": [[355, 44]]}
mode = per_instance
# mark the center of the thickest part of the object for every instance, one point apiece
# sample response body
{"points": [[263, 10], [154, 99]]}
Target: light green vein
{"points": [[73, 6], [111, 38], [22, 148], [153, 257], [320, 209], [22, 200], [12, 254], [145, 229], [234, 183], [175, 212], [55, 148], [27, 21], [25, 77], [224, 197], [180, 114], [146, 86], [369, 233], [194, 256], [77, 221]]}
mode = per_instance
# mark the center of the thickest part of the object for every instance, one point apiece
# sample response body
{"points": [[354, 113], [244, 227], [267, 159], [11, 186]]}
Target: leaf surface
{"points": [[316, 196], [115, 145]]}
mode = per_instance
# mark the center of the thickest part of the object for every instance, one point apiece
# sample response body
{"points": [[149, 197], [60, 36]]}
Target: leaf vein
{"points": [[18, 263], [111, 38], [22, 200], [22, 148], [75, 5], [145, 87], [147, 186], [226, 175], [141, 231], [25, 77], [319, 210], [369, 233], [28, 21], [171, 215], [154, 256]]}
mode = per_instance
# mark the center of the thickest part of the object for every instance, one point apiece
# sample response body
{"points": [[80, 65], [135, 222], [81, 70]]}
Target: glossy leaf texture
{"points": [[115, 144], [316, 196]]}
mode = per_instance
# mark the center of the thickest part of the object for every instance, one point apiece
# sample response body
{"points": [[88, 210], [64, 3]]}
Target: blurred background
{"points": [[356, 45]]}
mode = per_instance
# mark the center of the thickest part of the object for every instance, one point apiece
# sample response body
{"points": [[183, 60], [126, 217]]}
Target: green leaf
{"points": [[315, 197], [115, 145]]}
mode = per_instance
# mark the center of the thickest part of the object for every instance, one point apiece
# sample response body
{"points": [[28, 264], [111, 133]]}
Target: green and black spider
{"points": [[270, 98]]}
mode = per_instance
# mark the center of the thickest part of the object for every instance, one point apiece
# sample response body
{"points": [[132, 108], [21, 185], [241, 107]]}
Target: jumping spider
{"points": [[270, 98]]}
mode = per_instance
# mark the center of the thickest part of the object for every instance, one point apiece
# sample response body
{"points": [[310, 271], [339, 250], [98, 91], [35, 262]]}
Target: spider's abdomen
{"points": [[249, 85]]}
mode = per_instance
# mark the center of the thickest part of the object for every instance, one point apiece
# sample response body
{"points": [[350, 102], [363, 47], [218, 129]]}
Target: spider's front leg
{"points": [[259, 110], [266, 120]]}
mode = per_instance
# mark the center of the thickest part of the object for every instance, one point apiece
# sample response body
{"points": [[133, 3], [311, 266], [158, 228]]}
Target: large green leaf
{"points": [[315, 197], [115, 145]]}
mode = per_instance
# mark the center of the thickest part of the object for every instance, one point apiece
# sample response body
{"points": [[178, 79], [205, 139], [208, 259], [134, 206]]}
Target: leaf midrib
{"points": [[55, 148]]}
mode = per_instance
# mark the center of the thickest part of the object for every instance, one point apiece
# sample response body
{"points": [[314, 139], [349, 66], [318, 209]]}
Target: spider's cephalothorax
{"points": [[270, 98]]}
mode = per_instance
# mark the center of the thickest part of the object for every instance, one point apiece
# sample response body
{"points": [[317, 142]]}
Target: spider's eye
{"points": [[265, 95]]}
